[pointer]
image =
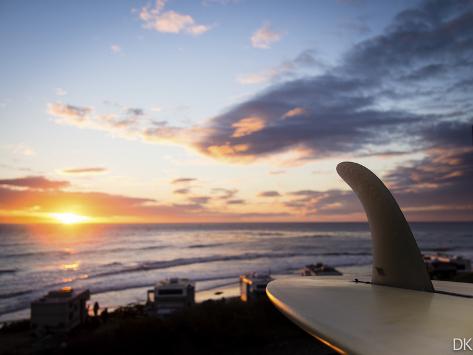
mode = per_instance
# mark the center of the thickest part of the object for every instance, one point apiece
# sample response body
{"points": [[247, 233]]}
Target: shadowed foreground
{"points": [[213, 327]]}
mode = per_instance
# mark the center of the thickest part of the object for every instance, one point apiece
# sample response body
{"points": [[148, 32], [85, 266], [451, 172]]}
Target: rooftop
{"points": [[175, 282], [62, 295]]}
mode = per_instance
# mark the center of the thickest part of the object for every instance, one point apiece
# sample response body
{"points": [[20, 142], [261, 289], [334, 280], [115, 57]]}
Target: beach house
{"points": [[253, 285], [170, 295], [59, 311]]}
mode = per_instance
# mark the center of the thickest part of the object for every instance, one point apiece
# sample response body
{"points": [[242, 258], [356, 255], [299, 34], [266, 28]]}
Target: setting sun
{"points": [[69, 218]]}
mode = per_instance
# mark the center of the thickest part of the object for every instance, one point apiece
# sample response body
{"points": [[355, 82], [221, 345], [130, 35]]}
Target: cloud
{"points": [[297, 111], [436, 187], [200, 200], [170, 21], [182, 191], [235, 202], [93, 170], [43, 197], [116, 49], [35, 182], [223, 193], [264, 37], [324, 203], [271, 193], [297, 66], [69, 113], [183, 180], [339, 117], [364, 101], [247, 126], [34, 206], [397, 88], [128, 122]]}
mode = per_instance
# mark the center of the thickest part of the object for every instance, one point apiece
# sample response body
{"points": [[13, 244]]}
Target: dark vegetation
{"points": [[213, 327]]}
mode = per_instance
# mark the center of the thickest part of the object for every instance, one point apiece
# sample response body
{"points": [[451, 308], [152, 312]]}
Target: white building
{"points": [[171, 295], [59, 311], [253, 285]]}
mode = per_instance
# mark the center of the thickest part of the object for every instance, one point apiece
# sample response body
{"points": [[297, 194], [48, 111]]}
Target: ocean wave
{"points": [[154, 265], [15, 294], [270, 234], [8, 271], [37, 254], [193, 246]]}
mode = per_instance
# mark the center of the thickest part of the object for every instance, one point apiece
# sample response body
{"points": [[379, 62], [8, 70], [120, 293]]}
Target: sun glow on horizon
{"points": [[69, 218]]}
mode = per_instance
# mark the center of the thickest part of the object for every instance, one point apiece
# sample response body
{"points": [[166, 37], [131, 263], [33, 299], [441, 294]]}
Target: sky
{"points": [[233, 110]]}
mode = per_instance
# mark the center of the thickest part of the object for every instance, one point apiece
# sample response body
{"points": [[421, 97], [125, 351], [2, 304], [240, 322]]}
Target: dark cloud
{"points": [[307, 193], [183, 180], [351, 106], [224, 193], [271, 193], [322, 203], [183, 191], [200, 200], [449, 134], [235, 202], [437, 187], [442, 182], [437, 32], [35, 182], [135, 112], [427, 71]]}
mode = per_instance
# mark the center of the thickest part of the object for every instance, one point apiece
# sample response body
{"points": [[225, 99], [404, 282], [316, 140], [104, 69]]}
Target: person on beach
{"points": [[96, 309], [104, 314]]}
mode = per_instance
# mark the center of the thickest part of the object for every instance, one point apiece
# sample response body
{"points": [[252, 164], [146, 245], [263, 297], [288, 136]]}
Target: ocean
{"points": [[119, 262]]}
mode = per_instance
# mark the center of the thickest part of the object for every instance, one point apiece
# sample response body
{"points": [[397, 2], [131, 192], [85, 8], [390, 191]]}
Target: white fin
{"points": [[397, 260]]}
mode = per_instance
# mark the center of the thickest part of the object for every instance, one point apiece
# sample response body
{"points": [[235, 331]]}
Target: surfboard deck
{"points": [[359, 318]]}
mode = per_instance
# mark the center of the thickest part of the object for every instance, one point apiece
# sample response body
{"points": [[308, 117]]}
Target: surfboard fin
{"points": [[397, 260]]}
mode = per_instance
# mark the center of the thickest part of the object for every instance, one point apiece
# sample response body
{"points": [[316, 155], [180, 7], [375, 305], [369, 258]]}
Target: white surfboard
{"points": [[399, 311]]}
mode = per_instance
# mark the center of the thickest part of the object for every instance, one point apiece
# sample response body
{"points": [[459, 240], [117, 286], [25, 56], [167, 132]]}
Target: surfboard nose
{"points": [[397, 260]]}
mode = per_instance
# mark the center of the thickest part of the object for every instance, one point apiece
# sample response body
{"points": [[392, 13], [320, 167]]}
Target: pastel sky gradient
{"points": [[233, 110]]}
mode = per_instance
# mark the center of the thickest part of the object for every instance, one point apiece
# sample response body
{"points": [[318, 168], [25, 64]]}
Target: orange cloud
{"points": [[247, 126], [298, 111], [84, 171]]}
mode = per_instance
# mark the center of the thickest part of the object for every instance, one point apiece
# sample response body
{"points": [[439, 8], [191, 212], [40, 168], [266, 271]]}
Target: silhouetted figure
{"points": [[96, 309], [104, 314]]}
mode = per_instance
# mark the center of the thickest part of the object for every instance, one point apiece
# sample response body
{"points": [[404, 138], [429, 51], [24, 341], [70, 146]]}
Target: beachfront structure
{"points": [[253, 285], [319, 269], [59, 311], [446, 266], [171, 295]]}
